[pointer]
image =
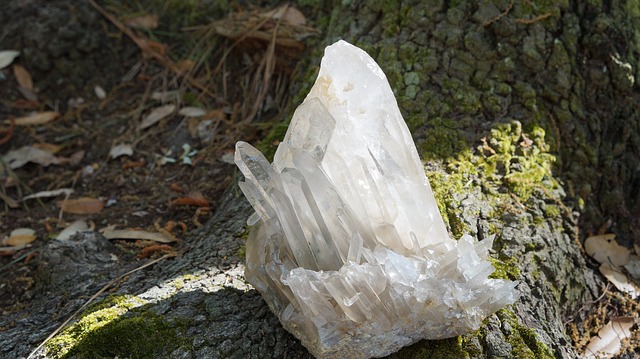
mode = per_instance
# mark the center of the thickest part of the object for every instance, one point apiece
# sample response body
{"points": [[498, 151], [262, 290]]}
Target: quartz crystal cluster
{"points": [[349, 249]]}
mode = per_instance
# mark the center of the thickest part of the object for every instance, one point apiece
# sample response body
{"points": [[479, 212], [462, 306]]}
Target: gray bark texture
{"points": [[476, 81]]}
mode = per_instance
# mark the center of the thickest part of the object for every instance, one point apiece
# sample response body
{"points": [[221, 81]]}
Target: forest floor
{"points": [[124, 128]]}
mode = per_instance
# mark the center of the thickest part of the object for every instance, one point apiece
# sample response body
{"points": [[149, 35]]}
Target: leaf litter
{"points": [[55, 155]]}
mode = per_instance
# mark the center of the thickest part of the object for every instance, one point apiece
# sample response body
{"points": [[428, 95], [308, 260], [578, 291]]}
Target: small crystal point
{"points": [[349, 248]]}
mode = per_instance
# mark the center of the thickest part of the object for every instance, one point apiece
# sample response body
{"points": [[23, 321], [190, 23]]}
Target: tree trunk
{"points": [[526, 116]]}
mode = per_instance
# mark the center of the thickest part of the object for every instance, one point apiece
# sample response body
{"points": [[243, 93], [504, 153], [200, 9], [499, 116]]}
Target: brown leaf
{"points": [[185, 65], [196, 200], [83, 205], [145, 22], [23, 77], [37, 119], [20, 237], [156, 115]]}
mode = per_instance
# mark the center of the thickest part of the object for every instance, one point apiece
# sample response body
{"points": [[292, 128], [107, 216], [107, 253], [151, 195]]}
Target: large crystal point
{"points": [[349, 248]]}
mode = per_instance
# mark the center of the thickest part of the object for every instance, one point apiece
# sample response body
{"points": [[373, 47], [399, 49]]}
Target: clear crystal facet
{"points": [[349, 248]]}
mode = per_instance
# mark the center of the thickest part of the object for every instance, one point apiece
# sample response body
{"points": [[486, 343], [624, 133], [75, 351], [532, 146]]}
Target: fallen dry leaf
{"points": [[8, 251], [607, 343], [228, 157], [156, 115], [145, 22], [37, 119], [185, 65], [133, 164], [100, 92], [23, 155], [190, 111], [165, 96], [83, 205], [122, 149], [619, 279], [287, 13], [633, 267], [23, 77], [20, 237], [74, 159], [604, 249], [196, 200], [110, 233], [7, 57], [48, 147], [77, 226], [12, 203], [45, 194]]}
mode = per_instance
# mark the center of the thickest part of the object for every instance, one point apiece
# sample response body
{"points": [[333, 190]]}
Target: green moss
{"points": [[452, 348], [443, 140], [241, 252], [551, 211], [120, 301], [505, 269], [114, 328], [524, 341], [445, 186]]}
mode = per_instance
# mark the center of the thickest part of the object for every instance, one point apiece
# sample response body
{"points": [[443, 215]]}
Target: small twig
{"points": [[534, 20], [144, 45], [500, 16], [102, 290], [269, 65], [18, 259]]}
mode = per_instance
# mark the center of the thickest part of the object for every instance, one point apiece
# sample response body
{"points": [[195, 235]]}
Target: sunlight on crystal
{"points": [[349, 248]]}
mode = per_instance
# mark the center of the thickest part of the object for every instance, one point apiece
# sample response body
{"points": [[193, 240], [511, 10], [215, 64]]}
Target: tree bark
{"points": [[490, 90]]}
